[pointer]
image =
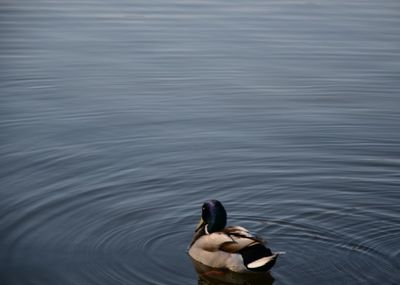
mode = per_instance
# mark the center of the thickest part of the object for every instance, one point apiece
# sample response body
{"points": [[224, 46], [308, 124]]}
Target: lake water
{"points": [[119, 118]]}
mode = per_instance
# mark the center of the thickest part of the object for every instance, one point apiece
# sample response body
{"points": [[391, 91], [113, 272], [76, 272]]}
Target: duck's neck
{"points": [[216, 224]]}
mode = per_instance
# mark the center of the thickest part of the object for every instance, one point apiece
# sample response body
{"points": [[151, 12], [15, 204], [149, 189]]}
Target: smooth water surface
{"points": [[119, 118]]}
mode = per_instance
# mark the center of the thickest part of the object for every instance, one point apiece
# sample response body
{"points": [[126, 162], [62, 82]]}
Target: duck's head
{"points": [[213, 217]]}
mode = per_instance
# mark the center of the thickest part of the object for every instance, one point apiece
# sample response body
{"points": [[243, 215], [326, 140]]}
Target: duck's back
{"points": [[234, 248]]}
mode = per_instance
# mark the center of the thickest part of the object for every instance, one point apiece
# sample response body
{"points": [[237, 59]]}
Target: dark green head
{"points": [[213, 216]]}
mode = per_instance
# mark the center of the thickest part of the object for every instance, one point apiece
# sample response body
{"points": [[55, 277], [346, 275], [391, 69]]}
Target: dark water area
{"points": [[119, 118]]}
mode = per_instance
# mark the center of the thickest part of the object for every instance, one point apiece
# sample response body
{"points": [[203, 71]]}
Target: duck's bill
{"points": [[200, 224]]}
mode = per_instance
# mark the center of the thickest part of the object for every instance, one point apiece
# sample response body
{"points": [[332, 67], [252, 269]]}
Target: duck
{"points": [[233, 248]]}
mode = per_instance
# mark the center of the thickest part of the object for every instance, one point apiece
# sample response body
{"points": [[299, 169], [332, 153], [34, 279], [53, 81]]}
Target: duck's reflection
{"points": [[212, 276]]}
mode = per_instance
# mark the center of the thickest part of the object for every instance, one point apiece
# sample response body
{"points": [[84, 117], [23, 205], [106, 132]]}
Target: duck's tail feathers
{"points": [[258, 258]]}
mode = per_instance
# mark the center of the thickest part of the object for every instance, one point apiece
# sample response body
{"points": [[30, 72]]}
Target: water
{"points": [[119, 118]]}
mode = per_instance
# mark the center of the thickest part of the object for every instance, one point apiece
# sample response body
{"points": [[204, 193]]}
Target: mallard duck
{"points": [[233, 248]]}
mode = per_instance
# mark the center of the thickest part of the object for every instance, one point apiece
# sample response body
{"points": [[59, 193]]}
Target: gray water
{"points": [[119, 118]]}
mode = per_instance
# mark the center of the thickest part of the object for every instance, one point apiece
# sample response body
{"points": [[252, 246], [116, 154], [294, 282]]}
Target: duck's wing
{"points": [[214, 241], [239, 238]]}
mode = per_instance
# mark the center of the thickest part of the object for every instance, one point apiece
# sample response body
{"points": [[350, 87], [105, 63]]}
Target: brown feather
{"points": [[240, 238]]}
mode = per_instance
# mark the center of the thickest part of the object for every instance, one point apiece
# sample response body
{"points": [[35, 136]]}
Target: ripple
{"points": [[322, 252], [123, 242]]}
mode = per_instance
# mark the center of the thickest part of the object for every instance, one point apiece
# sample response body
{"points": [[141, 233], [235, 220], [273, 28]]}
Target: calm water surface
{"points": [[119, 118]]}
